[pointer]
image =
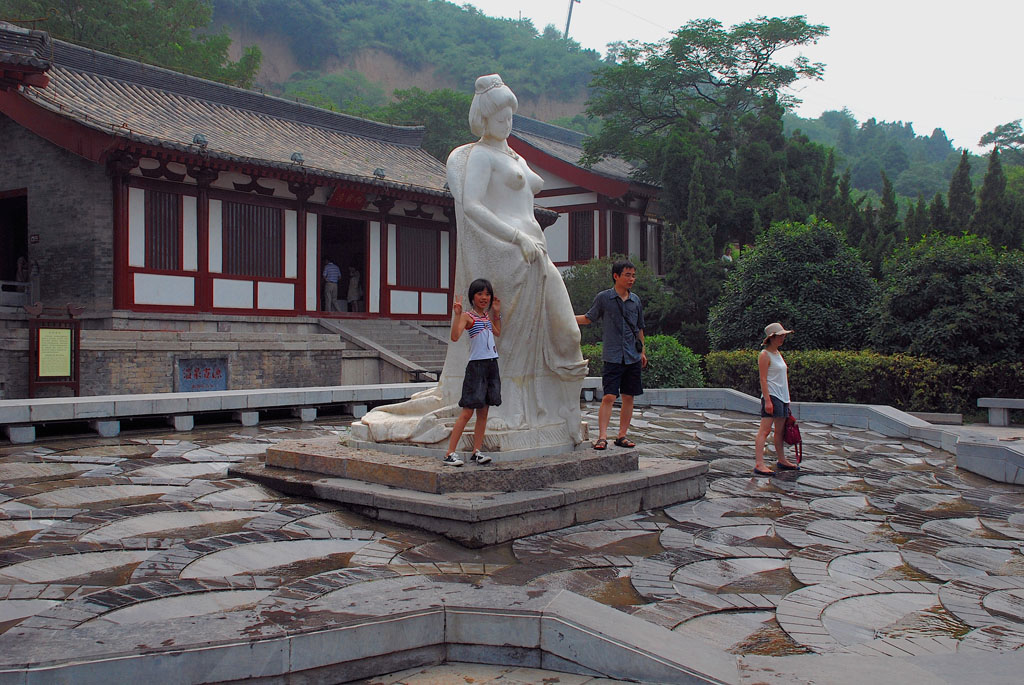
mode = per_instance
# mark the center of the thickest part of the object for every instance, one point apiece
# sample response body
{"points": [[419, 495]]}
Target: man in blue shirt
{"points": [[623, 354], [331, 274]]}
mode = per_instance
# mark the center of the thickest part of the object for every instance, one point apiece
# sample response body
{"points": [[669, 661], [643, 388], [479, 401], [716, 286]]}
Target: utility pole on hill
{"points": [[569, 19]]}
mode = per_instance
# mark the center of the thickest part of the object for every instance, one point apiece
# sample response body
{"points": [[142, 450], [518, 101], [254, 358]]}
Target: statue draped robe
{"points": [[541, 366]]}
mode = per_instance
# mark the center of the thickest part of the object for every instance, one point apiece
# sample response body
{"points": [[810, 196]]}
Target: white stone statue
{"points": [[499, 239]]}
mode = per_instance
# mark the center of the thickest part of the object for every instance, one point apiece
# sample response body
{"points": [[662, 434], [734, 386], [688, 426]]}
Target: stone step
{"points": [[507, 499]]}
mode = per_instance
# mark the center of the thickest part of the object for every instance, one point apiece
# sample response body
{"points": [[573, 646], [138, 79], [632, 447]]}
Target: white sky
{"points": [[954, 66]]}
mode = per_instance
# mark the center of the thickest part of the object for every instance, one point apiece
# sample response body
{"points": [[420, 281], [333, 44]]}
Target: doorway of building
{"points": [[14, 248], [343, 241]]}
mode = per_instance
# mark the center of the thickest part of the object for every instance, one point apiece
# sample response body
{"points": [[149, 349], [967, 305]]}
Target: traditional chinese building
{"points": [[602, 209], [157, 201], [149, 190]]}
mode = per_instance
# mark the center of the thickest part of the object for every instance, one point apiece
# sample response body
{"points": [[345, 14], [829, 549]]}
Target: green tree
{"points": [[938, 215], [704, 77], [828, 193], [347, 91], [444, 113], [961, 195], [1009, 138], [694, 273], [952, 298], [169, 33], [804, 275], [917, 222], [993, 219]]}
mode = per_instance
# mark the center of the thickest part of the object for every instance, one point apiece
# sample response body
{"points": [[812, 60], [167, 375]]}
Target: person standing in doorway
{"points": [[331, 274], [624, 354], [355, 291]]}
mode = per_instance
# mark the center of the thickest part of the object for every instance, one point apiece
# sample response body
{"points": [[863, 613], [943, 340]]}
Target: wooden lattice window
{"points": [[620, 238], [253, 240], [581, 236], [163, 231], [419, 257]]}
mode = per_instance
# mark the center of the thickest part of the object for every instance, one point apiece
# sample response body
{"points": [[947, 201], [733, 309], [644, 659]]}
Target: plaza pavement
{"points": [[878, 560]]}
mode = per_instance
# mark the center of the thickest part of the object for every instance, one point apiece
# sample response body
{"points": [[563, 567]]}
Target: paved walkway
{"points": [[879, 558]]}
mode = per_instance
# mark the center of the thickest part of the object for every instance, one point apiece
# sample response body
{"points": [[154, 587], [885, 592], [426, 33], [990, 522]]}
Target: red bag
{"points": [[791, 436]]}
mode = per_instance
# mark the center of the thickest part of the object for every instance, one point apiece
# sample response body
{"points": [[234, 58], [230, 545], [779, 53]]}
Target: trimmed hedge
{"points": [[669, 363], [907, 383]]}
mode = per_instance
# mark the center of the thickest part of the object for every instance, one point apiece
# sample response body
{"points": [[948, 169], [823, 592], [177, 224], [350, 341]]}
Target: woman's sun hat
{"points": [[773, 329]]}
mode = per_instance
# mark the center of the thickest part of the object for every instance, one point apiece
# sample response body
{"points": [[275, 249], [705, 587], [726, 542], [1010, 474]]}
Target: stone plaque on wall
{"points": [[196, 375]]}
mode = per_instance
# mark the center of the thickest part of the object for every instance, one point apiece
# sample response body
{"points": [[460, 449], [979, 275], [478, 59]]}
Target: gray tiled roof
{"points": [[163, 108], [24, 47], [567, 145]]}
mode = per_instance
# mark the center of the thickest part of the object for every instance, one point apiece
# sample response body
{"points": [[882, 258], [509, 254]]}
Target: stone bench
{"points": [[105, 412], [999, 409]]}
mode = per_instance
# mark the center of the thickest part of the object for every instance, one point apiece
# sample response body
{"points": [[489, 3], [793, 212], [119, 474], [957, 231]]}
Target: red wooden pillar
{"points": [[302, 192], [119, 163], [384, 204], [204, 285]]}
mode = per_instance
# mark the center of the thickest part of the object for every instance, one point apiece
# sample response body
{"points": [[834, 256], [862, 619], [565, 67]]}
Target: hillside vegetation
{"points": [[459, 42]]}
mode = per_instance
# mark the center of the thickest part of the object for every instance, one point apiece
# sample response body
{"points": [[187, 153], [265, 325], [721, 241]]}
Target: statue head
{"points": [[490, 96]]}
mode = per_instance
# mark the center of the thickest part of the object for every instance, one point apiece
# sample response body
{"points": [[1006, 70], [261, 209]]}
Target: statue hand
{"points": [[529, 249]]}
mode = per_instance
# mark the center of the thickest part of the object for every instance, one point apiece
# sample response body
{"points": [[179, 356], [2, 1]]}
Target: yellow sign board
{"points": [[55, 352]]}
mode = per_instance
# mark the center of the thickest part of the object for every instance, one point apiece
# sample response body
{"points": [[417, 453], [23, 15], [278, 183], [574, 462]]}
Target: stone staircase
{"points": [[410, 341]]}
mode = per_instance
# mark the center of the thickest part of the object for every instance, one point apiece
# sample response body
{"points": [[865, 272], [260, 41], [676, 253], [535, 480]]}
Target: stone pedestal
{"points": [[479, 505]]}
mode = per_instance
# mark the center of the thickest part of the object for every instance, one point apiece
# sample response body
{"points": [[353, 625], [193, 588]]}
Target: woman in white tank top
{"points": [[774, 381]]}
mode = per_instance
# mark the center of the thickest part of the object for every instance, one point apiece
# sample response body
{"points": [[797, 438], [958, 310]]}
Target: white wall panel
{"points": [[312, 263], [136, 227], [372, 286], [190, 224], [566, 200], [392, 254], [405, 302], [276, 295], [435, 303], [291, 267], [445, 261], [232, 294], [216, 242], [633, 235], [597, 232], [557, 235], [176, 291]]}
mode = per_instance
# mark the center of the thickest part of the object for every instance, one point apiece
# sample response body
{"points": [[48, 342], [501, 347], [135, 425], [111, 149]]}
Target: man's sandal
{"points": [[624, 442], [601, 444]]}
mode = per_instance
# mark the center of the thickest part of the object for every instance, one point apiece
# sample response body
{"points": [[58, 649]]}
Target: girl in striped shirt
{"points": [[481, 388]]}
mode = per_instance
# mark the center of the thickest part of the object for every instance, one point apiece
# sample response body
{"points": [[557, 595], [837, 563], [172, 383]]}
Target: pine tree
{"points": [[869, 238], [961, 196], [939, 215], [695, 274], [826, 206], [917, 222], [993, 220], [888, 215]]}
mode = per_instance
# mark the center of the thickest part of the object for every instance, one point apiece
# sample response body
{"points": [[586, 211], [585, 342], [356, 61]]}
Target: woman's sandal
{"points": [[764, 473], [787, 467], [601, 444], [624, 442]]}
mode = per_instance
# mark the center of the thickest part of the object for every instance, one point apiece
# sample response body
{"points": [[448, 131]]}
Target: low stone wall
{"points": [[116, 362]]}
